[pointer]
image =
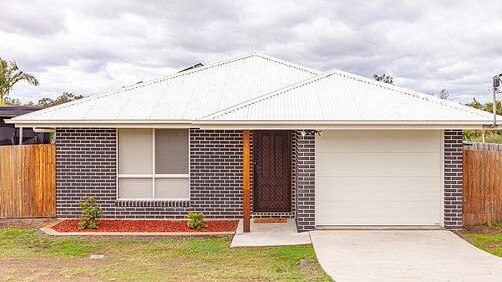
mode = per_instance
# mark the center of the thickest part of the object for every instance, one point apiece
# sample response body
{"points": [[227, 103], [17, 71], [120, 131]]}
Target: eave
{"points": [[101, 123], [343, 125]]}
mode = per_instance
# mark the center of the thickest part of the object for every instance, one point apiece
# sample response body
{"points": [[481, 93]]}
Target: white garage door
{"points": [[378, 178]]}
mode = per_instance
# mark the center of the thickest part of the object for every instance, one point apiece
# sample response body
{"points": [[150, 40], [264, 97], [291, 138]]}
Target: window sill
{"points": [[152, 203]]}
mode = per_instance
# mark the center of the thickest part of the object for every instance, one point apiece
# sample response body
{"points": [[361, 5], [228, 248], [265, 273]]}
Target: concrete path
{"points": [[269, 234], [427, 255]]}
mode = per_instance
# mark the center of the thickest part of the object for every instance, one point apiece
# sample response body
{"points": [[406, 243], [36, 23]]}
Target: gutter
{"points": [[101, 124], [341, 125], [241, 125]]}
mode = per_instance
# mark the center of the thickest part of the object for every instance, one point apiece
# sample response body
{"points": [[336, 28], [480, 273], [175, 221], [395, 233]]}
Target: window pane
{"points": [[135, 188], [135, 151], [171, 151], [172, 188]]}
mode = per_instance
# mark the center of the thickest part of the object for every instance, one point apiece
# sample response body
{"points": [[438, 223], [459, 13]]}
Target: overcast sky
{"points": [[88, 47]]}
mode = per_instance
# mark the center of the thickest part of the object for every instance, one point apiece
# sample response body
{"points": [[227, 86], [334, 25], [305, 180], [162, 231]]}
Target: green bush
{"points": [[494, 136], [471, 135], [195, 220], [90, 213]]}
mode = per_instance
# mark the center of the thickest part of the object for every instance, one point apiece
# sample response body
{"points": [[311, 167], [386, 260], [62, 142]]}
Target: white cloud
{"points": [[88, 47]]}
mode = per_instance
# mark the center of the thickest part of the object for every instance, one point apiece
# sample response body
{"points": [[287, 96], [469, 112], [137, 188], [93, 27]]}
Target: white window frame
{"points": [[153, 175]]}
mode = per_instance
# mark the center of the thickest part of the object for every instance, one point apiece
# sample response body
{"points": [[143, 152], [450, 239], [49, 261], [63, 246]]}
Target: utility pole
{"points": [[496, 85]]}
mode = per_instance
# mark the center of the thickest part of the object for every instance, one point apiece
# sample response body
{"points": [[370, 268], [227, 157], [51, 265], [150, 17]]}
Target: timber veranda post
{"points": [[246, 216]]}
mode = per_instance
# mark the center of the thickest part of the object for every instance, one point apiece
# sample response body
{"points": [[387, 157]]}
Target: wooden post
{"points": [[246, 181]]}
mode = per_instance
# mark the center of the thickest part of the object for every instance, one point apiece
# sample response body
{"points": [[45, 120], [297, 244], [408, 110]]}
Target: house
{"points": [[326, 148], [9, 135]]}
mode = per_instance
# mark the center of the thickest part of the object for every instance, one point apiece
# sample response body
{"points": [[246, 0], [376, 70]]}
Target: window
{"points": [[153, 164]]}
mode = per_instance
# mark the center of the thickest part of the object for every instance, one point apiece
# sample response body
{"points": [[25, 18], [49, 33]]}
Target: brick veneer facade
{"points": [[305, 181], [86, 166], [453, 179]]}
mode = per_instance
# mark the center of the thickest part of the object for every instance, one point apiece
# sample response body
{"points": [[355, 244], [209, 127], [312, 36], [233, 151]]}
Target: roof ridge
{"points": [[398, 89], [287, 63], [171, 76], [412, 93], [137, 85], [266, 96]]}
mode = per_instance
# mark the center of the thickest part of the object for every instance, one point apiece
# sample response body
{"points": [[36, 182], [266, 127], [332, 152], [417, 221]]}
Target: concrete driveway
{"points": [[403, 255]]}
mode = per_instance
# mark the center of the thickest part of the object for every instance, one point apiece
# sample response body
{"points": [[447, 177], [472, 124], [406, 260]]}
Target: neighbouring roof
{"points": [[180, 97], [258, 89], [340, 97], [14, 111]]}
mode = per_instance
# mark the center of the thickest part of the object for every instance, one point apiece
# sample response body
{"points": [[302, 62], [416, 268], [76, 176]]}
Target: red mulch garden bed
{"points": [[112, 225]]}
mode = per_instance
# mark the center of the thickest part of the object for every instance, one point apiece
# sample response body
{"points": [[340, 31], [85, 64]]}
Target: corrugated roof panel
{"points": [[183, 96], [258, 88], [339, 96]]}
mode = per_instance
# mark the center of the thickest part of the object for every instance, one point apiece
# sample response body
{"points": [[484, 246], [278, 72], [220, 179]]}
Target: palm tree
{"points": [[10, 75]]}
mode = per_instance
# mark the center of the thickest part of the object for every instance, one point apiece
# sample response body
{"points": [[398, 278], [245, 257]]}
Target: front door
{"points": [[272, 171]]}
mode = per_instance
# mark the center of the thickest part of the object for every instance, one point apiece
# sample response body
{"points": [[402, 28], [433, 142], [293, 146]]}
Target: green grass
{"points": [[24, 242], [491, 243], [27, 255]]}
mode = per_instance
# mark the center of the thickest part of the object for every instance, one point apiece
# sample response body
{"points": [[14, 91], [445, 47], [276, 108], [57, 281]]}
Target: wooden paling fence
{"points": [[28, 181], [482, 186]]}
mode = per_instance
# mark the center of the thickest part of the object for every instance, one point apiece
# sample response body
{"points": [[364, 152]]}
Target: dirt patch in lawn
{"points": [[48, 269], [72, 225], [484, 229], [310, 268], [25, 222]]}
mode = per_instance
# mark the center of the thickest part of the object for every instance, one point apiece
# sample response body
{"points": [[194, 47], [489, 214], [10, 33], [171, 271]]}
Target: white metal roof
{"points": [[341, 97], [181, 97], [257, 89]]}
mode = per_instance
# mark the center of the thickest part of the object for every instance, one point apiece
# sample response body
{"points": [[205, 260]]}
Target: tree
{"points": [[443, 94], [10, 75], [45, 102], [61, 99], [475, 104], [12, 102], [384, 78], [488, 107], [491, 136]]}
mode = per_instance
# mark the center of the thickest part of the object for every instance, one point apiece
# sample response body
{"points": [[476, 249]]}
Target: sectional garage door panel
{"points": [[378, 178], [385, 162], [377, 213], [382, 189]]}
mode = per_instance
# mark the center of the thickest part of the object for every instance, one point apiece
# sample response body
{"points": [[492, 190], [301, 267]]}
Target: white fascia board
{"points": [[102, 124], [220, 125], [347, 125], [43, 130]]}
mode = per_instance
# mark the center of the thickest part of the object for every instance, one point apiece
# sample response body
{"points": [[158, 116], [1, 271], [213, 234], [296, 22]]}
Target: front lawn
{"points": [[26, 254], [488, 238]]}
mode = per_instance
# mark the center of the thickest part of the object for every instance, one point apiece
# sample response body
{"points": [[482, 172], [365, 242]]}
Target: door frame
{"points": [[255, 171]]}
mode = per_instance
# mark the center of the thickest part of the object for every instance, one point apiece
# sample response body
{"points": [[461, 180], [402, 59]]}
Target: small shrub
{"points": [[90, 213], [195, 220]]}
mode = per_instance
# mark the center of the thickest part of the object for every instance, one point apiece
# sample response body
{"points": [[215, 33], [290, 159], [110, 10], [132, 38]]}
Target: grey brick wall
{"points": [[216, 172], [453, 179], [304, 148], [86, 166]]}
